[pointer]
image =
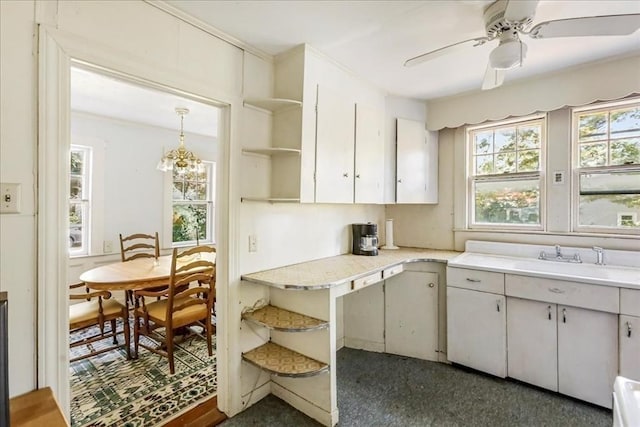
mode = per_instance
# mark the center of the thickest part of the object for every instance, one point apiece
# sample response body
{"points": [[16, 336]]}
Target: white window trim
{"points": [[541, 175], [85, 249], [167, 235], [576, 228]]}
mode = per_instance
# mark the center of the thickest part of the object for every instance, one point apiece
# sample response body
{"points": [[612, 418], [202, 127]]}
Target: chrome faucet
{"points": [[599, 255], [558, 252]]}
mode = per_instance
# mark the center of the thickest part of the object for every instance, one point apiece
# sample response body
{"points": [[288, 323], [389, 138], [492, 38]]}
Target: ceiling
{"points": [[374, 38]]}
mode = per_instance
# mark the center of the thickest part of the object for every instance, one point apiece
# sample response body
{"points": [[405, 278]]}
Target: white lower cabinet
{"points": [[476, 330], [587, 354], [629, 347], [532, 338], [561, 348], [412, 332]]}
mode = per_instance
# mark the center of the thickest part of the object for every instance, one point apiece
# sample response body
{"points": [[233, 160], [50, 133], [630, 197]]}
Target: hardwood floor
{"points": [[205, 414]]}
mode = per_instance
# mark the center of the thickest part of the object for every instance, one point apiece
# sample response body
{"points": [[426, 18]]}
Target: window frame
{"points": [[86, 201], [209, 202], [472, 179], [578, 171]]}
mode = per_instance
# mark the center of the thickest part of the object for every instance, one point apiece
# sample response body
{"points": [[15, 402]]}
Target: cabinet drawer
{"points": [[630, 302], [594, 297], [392, 271], [477, 280], [366, 281]]}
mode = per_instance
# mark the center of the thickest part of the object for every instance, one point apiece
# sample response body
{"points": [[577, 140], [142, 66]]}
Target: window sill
{"points": [[545, 233]]}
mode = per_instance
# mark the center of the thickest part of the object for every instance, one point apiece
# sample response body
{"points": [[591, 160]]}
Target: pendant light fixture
{"points": [[180, 159]]}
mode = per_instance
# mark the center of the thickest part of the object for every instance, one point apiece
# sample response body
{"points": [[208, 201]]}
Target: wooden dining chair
{"points": [[137, 246], [183, 306], [97, 309]]}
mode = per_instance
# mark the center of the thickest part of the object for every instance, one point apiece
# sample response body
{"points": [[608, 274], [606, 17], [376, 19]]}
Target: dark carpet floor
{"points": [[377, 389]]}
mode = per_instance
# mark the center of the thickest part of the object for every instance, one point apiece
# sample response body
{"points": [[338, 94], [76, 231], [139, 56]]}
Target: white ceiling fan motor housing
{"points": [[494, 21]]}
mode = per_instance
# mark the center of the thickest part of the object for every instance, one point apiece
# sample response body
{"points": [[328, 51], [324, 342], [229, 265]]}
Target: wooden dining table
{"points": [[137, 274]]}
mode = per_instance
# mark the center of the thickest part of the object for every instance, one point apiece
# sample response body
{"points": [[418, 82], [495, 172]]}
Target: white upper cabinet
{"points": [[335, 127], [369, 155], [416, 163]]}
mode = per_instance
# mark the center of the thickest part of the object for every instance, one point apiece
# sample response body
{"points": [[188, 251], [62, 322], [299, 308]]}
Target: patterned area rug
{"points": [[109, 390]]}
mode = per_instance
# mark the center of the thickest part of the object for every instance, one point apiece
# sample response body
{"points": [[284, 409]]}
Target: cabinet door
{"points": [[630, 347], [416, 163], [476, 330], [335, 121], [587, 354], [411, 315], [363, 319], [369, 155], [532, 342]]}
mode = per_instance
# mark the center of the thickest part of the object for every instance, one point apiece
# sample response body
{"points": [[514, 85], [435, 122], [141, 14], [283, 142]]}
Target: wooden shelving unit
{"points": [[281, 361], [279, 319]]}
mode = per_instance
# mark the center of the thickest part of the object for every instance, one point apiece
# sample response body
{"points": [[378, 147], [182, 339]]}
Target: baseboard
{"points": [[256, 395], [325, 418], [359, 344]]}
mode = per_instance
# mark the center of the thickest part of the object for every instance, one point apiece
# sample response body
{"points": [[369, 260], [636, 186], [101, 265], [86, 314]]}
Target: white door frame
{"points": [[57, 50]]}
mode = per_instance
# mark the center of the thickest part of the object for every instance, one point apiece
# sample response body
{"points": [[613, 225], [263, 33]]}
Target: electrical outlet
{"points": [[9, 198], [107, 246], [253, 243]]}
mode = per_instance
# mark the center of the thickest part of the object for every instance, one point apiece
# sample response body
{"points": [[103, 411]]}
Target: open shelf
{"points": [[272, 104], [281, 361], [270, 199], [280, 319], [275, 151]]}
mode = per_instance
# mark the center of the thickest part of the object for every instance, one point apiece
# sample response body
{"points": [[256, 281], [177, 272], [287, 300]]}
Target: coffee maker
{"points": [[365, 239]]}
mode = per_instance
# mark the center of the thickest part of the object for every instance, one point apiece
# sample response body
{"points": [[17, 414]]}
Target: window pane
{"points": [[613, 182], [507, 202], [505, 162], [191, 191], [483, 142], [625, 151], [76, 221], [201, 191], [189, 220], [77, 162], [484, 165], [614, 210], [505, 140], [75, 191], [625, 123], [593, 155], [529, 137], [528, 160], [592, 127], [178, 190]]}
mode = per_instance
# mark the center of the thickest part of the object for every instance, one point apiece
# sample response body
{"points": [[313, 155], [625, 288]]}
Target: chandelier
{"points": [[180, 158]]}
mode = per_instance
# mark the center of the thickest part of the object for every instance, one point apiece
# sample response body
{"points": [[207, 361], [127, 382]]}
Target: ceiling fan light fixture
{"points": [[507, 55]]}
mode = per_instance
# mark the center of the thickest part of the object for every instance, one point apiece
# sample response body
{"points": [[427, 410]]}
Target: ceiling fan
{"points": [[506, 20]]}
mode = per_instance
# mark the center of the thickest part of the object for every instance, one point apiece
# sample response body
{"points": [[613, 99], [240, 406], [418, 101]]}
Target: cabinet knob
{"points": [[549, 312], [564, 315], [358, 175], [629, 329], [346, 175], [400, 181], [431, 285]]}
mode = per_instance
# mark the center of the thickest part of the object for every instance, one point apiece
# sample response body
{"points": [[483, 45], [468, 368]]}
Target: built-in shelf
{"points": [[280, 319], [270, 199], [274, 151], [281, 361], [272, 104]]}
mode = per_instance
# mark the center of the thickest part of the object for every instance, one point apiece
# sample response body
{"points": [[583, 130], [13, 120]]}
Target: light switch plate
{"points": [[9, 198]]}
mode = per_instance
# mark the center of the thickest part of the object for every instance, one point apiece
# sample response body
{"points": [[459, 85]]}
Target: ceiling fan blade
{"points": [[609, 25], [518, 10], [493, 78], [445, 51]]}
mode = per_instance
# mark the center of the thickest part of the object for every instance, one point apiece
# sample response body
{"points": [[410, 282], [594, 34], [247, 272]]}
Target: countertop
{"points": [[333, 271], [607, 275]]}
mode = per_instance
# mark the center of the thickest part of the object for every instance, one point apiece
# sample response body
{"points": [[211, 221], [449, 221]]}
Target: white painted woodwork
{"points": [[334, 147], [476, 330], [416, 163], [477, 280], [392, 271], [587, 354], [595, 297], [532, 342], [364, 319], [412, 331], [369, 155], [629, 339], [272, 104], [630, 301], [365, 281]]}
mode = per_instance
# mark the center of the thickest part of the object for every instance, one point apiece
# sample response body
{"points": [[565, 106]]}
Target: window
{"points": [[79, 200], [192, 205], [607, 168], [505, 182]]}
